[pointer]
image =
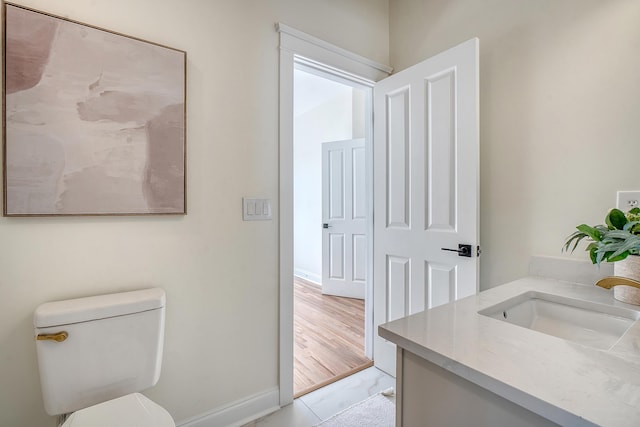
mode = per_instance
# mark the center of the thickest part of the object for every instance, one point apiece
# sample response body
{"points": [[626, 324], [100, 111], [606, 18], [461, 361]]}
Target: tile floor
{"points": [[313, 408]]}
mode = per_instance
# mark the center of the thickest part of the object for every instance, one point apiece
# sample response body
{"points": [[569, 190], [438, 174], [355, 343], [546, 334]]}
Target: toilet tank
{"points": [[113, 347]]}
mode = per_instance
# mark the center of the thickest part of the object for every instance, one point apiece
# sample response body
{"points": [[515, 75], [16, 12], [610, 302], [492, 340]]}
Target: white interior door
{"points": [[426, 188], [344, 218]]}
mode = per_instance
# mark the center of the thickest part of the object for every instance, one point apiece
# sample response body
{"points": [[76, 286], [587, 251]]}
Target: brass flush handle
{"points": [[610, 282], [58, 337]]}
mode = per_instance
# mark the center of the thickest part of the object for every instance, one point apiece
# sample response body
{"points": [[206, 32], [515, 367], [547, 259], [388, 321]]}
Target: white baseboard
{"points": [[238, 413], [307, 275]]}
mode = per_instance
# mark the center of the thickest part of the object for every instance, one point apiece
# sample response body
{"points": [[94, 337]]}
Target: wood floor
{"points": [[328, 338]]}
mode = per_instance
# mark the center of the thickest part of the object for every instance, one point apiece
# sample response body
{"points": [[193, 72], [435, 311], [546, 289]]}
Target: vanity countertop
{"points": [[568, 383]]}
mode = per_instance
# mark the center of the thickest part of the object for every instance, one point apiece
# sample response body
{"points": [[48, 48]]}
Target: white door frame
{"points": [[298, 49]]}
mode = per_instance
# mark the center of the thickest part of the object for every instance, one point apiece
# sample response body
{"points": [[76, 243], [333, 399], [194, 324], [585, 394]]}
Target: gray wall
{"points": [[559, 109]]}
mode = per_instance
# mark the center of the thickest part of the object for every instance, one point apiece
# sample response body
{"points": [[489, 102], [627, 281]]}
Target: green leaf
{"points": [[616, 219], [577, 236], [632, 242], [619, 257], [629, 226], [617, 235], [592, 253], [592, 232], [577, 240], [635, 211]]}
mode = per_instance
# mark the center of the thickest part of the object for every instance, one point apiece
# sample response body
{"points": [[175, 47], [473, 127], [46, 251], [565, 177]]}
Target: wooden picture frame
{"points": [[94, 121]]}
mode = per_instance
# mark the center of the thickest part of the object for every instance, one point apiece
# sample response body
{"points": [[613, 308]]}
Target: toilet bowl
{"points": [[96, 354], [132, 410]]}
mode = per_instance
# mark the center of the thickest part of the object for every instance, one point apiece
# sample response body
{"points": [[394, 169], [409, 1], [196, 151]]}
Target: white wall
{"points": [[559, 106], [220, 273], [322, 112]]}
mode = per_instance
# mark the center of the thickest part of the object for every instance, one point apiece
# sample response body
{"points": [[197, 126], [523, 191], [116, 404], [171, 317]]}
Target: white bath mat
{"points": [[376, 411]]}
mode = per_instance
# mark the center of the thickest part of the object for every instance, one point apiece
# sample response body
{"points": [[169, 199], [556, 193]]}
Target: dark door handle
{"points": [[463, 250], [325, 225]]}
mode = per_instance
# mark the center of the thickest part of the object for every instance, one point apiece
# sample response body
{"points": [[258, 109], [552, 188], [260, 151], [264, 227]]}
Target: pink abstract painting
{"points": [[94, 120]]}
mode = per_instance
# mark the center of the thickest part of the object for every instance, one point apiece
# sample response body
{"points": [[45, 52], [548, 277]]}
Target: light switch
{"points": [[256, 209]]}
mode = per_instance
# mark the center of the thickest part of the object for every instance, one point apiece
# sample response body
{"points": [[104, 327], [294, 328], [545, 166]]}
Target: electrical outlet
{"points": [[628, 200]]}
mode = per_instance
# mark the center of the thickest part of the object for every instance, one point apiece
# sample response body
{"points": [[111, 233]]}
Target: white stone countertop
{"points": [[565, 382]]}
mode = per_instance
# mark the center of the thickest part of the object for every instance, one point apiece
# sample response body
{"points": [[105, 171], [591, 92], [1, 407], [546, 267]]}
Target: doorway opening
{"points": [[330, 222], [300, 49]]}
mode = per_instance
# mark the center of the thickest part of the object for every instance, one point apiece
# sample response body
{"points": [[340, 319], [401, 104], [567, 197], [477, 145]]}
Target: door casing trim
{"points": [[301, 50]]}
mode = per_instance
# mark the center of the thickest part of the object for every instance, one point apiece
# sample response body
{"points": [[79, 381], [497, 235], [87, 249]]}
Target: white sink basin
{"points": [[596, 325]]}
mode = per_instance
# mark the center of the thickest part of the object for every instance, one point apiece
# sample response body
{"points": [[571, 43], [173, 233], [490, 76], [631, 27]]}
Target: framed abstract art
{"points": [[94, 121]]}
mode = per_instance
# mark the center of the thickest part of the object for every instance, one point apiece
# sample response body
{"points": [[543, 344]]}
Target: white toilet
{"points": [[95, 354]]}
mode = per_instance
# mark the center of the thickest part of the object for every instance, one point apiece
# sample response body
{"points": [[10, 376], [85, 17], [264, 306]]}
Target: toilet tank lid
{"points": [[97, 307]]}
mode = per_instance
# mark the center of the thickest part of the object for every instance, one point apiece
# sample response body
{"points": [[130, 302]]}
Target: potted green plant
{"points": [[615, 241]]}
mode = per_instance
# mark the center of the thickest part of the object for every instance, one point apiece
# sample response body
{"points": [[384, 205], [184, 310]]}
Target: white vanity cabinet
{"points": [[430, 396], [458, 367]]}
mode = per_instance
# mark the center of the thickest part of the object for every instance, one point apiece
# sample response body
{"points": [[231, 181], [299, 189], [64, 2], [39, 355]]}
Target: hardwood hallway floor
{"points": [[328, 337]]}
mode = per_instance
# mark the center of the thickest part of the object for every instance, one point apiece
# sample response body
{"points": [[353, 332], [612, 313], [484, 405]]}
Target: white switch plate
{"points": [[628, 200], [256, 209]]}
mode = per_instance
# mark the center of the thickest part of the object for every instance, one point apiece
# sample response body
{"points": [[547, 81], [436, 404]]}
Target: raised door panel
{"points": [[440, 284], [358, 186], [359, 268], [398, 279], [336, 184], [336, 256], [398, 151], [440, 195]]}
